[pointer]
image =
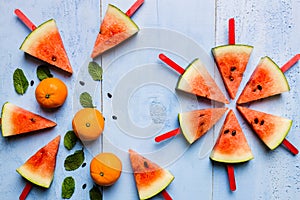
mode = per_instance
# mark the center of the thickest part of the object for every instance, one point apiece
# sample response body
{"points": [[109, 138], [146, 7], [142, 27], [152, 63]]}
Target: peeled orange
{"points": [[88, 124], [105, 169]]}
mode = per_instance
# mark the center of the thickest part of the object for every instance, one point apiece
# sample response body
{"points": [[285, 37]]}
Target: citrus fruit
{"points": [[88, 124], [51, 93], [105, 169]]}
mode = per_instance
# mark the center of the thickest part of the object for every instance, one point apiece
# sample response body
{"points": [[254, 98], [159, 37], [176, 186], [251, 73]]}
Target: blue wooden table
{"points": [[138, 99]]}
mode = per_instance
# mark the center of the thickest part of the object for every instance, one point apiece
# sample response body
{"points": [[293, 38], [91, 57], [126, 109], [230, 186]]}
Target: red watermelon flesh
{"points": [[39, 168], [149, 177], [266, 80], [194, 124], [232, 61], [196, 80], [45, 43], [116, 27], [16, 120], [270, 129], [231, 145]]}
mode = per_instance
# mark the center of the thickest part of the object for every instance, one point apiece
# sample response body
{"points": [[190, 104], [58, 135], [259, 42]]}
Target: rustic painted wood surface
{"points": [[143, 96]]}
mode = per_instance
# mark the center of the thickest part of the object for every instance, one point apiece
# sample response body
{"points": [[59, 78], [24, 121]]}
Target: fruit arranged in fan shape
{"points": [[105, 169], [196, 80], [39, 168], [149, 177], [266, 80], [231, 145], [45, 43], [231, 61], [116, 27], [16, 120], [269, 128], [194, 124]]}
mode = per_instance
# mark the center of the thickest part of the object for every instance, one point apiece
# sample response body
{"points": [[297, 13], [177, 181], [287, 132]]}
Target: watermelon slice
{"points": [[196, 123], [116, 27], [231, 145], [266, 80], [150, 178], [39, 168], [270, 129], [16, 120], [45, 43], [232, 61], [196, 80]]}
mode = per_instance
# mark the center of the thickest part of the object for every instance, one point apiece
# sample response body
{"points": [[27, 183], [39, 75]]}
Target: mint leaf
{"points": [[43, 72], [70, 140], [20, 81], [68, 187], [74, 161], [86, 100], [95, 193], [95, 71]]}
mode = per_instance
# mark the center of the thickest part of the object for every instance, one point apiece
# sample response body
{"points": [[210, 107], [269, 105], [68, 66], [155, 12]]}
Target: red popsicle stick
{"points": [[231, 32], [290, 147], [231, 178], [167, 135], [171, 63], [166, 195], [134, 8], [290, 63], [25, 191], [24, 19]]}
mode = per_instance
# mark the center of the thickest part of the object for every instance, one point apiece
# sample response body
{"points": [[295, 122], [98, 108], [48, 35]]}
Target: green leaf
{"points": [[86, 100], [95, 71], [43, 72], [74, 161], [95, 193], [70, 140], [68, 187], [20, 81]]}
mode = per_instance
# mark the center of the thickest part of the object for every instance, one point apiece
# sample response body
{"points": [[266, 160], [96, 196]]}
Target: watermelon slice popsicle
{"points": [[115, 28], [45, 43]]}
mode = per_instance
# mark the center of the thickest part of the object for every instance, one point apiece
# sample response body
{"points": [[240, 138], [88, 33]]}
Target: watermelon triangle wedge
{"points": [[39, 168], [231, 61], [16, 120], [266, 80], [45, 43], [231, 145], [196, 80], [194, 124], [115, 28], [149, 177], [269, 128]]}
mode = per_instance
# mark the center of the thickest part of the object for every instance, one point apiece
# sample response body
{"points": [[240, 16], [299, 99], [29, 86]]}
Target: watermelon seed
{"points": [[101, 174], [83, 165], [83, 186], [31, 82], [259, 87], [32, 119], [226, 131], [231, 78], [109, 95], [146, 164], [114, 117], [262, 122], [233, 68], [201, 115], [233, 133], [53, 58], [256, 121], [81, 83]]}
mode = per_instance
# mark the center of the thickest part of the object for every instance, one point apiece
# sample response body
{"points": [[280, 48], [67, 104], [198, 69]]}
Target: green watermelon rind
{"points": [[283, 83], [285, 125], [129, 19], [28, 37], [229, 45], [168, 178], [184, 77]]}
